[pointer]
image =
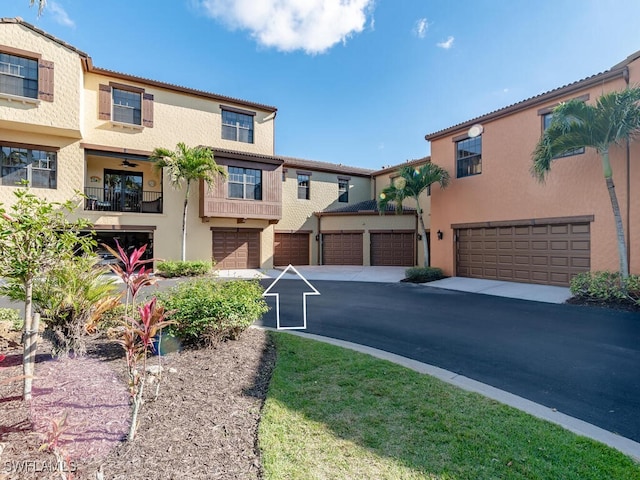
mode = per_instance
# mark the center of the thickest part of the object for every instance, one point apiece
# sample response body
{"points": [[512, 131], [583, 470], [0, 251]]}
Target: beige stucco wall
{"points": [[505, 190], [298, 214], [178, 117], [383, 180], [70, 165], [60, 117], [366, 223]]}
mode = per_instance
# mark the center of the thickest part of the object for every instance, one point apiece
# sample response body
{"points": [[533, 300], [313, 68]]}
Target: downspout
{"points": [[625, 75], [319, 255]]}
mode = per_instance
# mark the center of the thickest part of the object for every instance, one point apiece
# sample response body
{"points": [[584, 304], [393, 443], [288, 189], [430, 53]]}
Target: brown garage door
{"points": [[342, 248], [393, 248], [291, 248], [549, 254], [236, 249]]}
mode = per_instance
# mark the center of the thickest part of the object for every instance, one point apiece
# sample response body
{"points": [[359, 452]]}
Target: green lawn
{"points": [[332, 413]]}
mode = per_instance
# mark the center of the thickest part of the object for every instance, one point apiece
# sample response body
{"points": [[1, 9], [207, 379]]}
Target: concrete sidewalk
{"points": [[353, 273]]}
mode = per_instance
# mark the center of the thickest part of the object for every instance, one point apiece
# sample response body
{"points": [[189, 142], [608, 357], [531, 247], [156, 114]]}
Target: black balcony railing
{"points": [[111, 200]]}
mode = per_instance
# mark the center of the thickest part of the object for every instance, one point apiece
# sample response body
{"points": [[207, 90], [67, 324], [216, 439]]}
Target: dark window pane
{"points": [[37, 167], [18, 76], [469, 157], [127, 107], [237, 127], [245, 183]]}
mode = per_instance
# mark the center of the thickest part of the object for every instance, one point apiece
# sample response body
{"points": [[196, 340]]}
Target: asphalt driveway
{"points": [[582, 361]]}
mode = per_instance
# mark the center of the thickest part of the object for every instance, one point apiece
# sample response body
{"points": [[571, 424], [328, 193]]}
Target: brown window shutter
{"points": [[104, 103], [147, 110], [45, 80]]}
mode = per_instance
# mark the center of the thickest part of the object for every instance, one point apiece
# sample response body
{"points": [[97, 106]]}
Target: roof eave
{"points": [[611, 74]]}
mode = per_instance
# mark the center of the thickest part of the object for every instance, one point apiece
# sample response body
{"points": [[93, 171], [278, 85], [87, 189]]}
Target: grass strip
{"points": [[332, 413]]}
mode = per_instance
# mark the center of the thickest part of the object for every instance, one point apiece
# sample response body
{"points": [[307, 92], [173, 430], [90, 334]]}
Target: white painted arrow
{"points": [[267, 293]]}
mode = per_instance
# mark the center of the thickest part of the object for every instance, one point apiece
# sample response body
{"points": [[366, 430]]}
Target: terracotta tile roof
{"points": [[88, 63], [614, 72], [20, 21], [180, 89], [391, 168], [290, 162], [368, 206]]}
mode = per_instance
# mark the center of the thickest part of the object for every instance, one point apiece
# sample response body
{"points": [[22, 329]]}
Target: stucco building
{"points": [[499, 222], [67, 126]]}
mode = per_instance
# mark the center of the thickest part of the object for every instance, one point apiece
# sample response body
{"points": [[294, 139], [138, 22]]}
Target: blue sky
{"points": [[357, 82]]}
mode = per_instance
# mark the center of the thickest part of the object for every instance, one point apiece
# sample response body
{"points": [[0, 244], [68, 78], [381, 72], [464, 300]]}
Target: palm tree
{"points": [[184, 166], [613, 120], [410, 184]]}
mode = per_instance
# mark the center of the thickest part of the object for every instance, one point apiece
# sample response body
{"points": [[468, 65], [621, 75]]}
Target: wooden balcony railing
{"points": [[126, 200]]}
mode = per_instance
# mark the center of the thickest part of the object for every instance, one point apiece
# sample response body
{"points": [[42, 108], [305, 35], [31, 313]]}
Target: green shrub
{"points": [[423, 274], [171, 269], [207, 311], [12, 316], [606, 287], [70, 297]]}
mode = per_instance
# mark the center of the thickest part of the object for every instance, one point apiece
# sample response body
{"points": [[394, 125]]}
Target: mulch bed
{"points": [[626, 306], [203, 424]]}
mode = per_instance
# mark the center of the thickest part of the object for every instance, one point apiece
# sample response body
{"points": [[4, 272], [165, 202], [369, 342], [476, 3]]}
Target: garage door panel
{"points": [[291, 248], [548, 254], [342, 249], [392, 248], [236, 249]]}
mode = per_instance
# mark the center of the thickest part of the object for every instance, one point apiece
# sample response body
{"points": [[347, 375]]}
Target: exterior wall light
{"points": [[439, 234]]}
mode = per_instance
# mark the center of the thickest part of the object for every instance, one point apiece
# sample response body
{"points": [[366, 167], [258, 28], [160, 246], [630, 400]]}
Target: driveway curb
{"points": [[580, 427]]}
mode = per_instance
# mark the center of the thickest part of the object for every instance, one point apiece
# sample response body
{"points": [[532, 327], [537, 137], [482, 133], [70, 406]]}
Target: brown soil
{"points": [[203, 424]]}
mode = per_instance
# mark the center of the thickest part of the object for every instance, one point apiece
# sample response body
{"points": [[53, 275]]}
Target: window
{"points": [[38, 167], [343, 191], [237, 126], [469, 157], [18, 76], [303, 186], [245, 183], [546, 121], [127, 106]]}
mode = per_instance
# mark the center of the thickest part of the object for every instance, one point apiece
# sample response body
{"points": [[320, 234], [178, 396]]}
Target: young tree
{"points": [[410, 184], [613, 120], [35, 235], [184, 166]]}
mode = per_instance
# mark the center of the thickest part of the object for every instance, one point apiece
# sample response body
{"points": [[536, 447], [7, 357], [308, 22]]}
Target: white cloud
{"points": [[310, 25], [447, 44], [421, 27], [59, 14]]}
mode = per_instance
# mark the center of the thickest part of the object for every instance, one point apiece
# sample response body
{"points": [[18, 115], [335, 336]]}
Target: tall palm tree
{"points": [[410, 184], [184, 166], [613, 120]]}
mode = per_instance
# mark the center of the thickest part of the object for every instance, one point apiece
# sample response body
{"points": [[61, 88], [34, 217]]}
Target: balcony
{"points": [[130, 201]]}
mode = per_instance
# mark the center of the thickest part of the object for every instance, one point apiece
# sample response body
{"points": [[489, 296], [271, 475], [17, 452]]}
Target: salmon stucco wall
{"points": [[506, 190]]}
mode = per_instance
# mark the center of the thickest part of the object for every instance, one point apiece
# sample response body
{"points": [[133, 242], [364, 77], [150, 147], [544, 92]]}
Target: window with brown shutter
{"points": [[147, 110], [45, 80], [104, 101], [106, 104]]}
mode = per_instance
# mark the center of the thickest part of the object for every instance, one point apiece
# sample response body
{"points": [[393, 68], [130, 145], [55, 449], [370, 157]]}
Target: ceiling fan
{"points": [[127, 163]]}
